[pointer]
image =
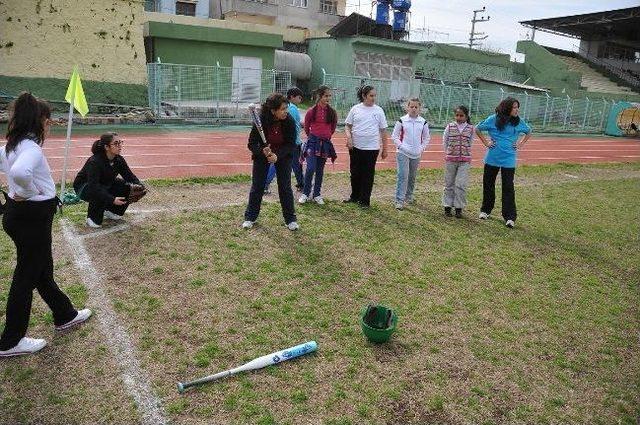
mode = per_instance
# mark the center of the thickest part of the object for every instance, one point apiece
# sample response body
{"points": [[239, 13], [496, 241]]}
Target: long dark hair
{"points": [[272, 103], [363, 92], [104, 140], [332, 115], [27, 116], [465, 111], [503, 113]]}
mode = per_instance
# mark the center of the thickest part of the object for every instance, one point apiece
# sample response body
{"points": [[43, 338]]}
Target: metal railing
{"points": [[210, 93], [543, 112], [618, 71]]}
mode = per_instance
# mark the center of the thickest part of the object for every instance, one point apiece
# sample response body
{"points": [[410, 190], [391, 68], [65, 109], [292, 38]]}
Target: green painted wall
{"points": [[546, 70], [206, 53], [196, 45], [54, 89]]}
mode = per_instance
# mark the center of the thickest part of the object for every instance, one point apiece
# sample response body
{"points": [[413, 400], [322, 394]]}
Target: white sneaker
{"points": [[112, 216], [25, 346], [82, 316], [483, 216], [293, 226], [247, 224], [510, 224], [90, 223], [399, 205], [318, 200], [303, 198]]}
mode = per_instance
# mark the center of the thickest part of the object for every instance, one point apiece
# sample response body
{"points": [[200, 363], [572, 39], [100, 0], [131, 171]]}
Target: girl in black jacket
{"points": [[97, 181], [280, 131]]}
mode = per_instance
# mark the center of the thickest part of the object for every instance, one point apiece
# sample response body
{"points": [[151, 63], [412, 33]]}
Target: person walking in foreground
{"points": [[281, 132], [366, 130], [98, 183], [457, 139], [28, 217], [319, 124], [411, 137], [504, 128]]}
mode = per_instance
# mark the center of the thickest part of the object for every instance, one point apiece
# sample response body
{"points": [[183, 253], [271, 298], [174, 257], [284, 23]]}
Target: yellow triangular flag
{"points": [[76, 93]]}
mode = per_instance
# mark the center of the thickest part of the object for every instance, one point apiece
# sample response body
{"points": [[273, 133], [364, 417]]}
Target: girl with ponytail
{"points": [[28, 217], [98, 183], [366, 130]]}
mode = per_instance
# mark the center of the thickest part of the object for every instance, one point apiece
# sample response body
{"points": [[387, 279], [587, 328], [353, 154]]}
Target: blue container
{"points": [[403, 5], [382, 13], [399, 20]]}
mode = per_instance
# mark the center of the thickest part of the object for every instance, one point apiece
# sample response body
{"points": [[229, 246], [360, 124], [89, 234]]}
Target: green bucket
{"points": [[378, 322]]}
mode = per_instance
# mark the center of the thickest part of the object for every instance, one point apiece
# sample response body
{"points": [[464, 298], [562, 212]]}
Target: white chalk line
{"points": [[119, 342]]}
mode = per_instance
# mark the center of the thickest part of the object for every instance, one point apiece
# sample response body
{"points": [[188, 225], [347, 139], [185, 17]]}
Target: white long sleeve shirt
{"points": [[411, 136], [28, 172]]}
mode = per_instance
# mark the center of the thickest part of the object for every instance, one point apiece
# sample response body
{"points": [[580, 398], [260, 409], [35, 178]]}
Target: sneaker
{"points": [[293, 226], [247, 224], [349, 201], [24, 346], [458, 212], [510, 224], [399, 205], [483, 215], [82, 316], [303, 198], [112, 216], [318, 200], [447, 212], [90, 223]]}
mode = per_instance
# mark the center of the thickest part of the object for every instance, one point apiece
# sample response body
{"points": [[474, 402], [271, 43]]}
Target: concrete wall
{"points": [[45, 39], [291, 35], [195, 45], [281, 13]]}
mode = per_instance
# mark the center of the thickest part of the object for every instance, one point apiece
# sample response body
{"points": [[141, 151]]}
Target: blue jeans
{"points": [[407, 169], [315, 164], [296, 167]]}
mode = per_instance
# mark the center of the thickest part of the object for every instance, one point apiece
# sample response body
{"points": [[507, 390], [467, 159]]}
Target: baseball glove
{"points": [[136, 193]]}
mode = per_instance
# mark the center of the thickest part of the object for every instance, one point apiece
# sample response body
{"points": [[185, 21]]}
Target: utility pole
{"points": [[474, 36]]}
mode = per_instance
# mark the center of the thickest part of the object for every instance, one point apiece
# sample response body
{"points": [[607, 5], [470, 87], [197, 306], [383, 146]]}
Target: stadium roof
{"points": [[612, 24]]}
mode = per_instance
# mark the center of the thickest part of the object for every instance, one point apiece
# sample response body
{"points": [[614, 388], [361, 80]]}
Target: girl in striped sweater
{"points": [[457, 139]]}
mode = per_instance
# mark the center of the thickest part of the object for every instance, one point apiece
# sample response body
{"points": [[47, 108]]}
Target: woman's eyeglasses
{"points": [[117, 143]]}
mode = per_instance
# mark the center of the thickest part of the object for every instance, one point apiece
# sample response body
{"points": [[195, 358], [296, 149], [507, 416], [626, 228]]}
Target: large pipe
{"points": [[298, 64]]}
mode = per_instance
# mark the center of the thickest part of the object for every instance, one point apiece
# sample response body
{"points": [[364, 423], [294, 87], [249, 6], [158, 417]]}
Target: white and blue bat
{"points": [[258, 363]]}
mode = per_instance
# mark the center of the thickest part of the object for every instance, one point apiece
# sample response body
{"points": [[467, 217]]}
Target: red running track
{"points": [[215, 153]]}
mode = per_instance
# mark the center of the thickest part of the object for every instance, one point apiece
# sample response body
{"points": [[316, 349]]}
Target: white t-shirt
{"points": [[28, 172], [367, 121]]}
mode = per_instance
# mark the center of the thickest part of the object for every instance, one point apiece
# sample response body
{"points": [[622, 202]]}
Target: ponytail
{"points": [[363, 92], [98, 146], [27, 120]]}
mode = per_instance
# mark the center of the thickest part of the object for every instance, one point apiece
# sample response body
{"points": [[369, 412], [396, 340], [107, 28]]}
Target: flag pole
{"points": [[66, 150]]}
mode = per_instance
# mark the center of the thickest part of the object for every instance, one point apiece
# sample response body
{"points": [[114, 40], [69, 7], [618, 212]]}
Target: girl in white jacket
{"points": [[411, 137]]}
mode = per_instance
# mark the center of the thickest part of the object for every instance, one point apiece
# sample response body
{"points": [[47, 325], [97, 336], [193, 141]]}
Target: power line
{"points": [[477, 36]]}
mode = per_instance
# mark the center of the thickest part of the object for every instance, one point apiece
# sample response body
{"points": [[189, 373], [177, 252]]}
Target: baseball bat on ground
{"points": [[258, 363]]}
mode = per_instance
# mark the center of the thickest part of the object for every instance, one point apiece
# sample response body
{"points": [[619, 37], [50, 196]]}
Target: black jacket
{"points": [[289, 132], [98, 174]]}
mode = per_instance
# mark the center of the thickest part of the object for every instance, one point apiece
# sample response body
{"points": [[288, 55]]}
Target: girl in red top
{"points": [[319, 125]]}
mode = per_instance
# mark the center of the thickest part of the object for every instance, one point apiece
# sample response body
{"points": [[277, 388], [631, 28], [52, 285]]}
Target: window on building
{"points": [[185, 8], [298, 3], [330, 7], [152, 6]]}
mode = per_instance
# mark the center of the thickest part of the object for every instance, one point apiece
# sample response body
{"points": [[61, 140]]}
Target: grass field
{"points": [[538, 324]]}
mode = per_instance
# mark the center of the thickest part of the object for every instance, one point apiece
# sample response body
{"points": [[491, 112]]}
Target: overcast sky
{"points": [[449, 21]]}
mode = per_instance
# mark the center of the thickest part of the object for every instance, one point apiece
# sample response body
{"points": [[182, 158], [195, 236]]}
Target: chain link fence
{"points": [[542, 112], [210, 93]]}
